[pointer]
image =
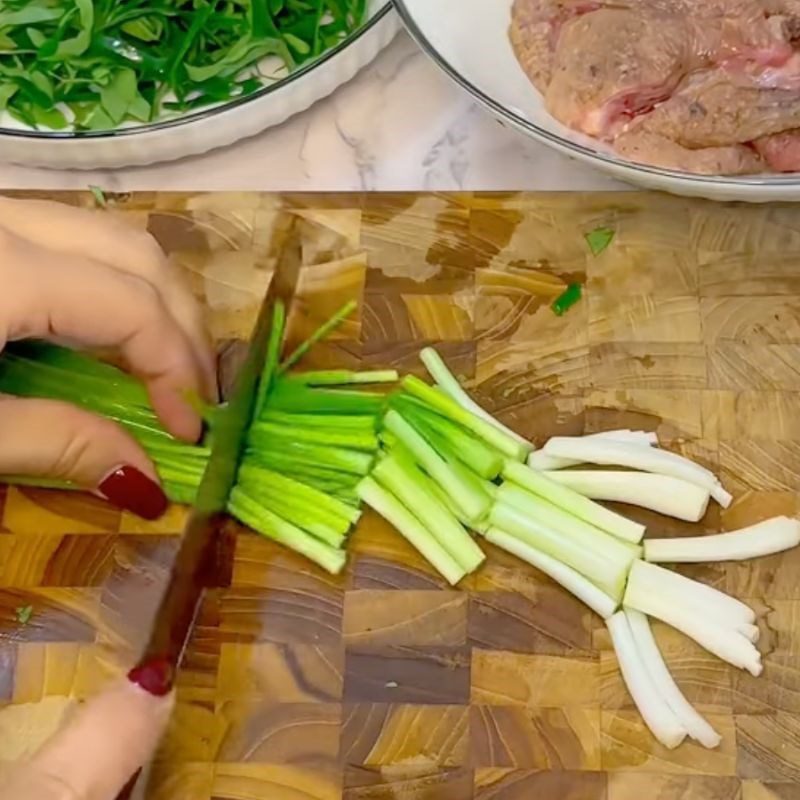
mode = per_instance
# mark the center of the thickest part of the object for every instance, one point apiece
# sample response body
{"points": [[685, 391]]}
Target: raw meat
{"points": [[698, 85]]}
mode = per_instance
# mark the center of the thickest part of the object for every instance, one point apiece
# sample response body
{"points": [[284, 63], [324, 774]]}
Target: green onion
{"points": [[393, 510], [446, 382], [413, 488], [480, 457], [576, 504], [321, 333], [604, 571], [260, 519], [363, 423], [270, 434], [292, 396], [344, 377], [449, 408], [568, 298], [472, 505]]}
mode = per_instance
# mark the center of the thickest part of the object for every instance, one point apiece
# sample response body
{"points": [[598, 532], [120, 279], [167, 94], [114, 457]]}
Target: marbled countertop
{"points": [[400, 125]]}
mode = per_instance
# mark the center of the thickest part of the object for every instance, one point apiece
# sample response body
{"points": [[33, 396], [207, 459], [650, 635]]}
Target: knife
{"points": [[194, 567]]}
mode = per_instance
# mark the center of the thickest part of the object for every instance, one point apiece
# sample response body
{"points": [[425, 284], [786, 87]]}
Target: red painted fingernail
{"points": [[155, 677], [130, 489]]}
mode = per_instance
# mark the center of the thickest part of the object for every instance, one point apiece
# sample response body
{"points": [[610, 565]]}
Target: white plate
{"points": [[207, 129], [469, 40]]}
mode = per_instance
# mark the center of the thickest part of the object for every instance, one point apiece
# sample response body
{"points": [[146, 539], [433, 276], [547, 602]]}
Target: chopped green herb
{"points": [[571, 295], [96, 64], [599, 239], [23, 614], [99, 196]]}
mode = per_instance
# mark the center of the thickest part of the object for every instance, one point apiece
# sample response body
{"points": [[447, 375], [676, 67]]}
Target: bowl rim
{"points": [[211, 111], [573, 148]]}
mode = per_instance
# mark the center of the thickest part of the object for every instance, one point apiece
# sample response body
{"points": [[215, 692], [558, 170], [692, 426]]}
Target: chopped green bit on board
{"points": [[571, 295], [599, 239], [99, 196], [23, 614]]}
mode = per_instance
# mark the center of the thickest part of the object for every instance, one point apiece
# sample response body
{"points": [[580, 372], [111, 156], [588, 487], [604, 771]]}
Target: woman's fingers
{"points": [[100, 749], [49, 439], [106, 239], [74, 298]]}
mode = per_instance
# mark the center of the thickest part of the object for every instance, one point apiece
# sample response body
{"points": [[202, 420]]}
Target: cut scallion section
{"points": [[343, 377], [765, 538], [657, 714], [447, 382], [662, 493], [264, 521], [665, 685], [404, 480], [571, 580], [575, 503], [473, 506], [508, 445], [604, 571], [393, 510]]}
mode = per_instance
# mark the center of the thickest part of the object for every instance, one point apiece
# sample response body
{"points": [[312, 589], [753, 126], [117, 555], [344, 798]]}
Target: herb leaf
{"points": [[23, 614]]}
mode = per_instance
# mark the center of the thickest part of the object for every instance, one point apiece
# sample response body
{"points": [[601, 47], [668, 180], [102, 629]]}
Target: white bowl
{"points": [[212, 127], [469, 40]]}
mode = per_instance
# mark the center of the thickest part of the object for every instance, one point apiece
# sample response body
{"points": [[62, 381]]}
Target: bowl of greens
{"points": [[90, 84]]}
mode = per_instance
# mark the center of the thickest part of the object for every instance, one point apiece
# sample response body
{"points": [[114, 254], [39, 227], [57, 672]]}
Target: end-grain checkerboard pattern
{"points": [[385, 683]]}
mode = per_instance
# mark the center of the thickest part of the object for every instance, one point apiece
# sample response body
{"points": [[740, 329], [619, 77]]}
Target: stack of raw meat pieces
{"points": [[705, 86]]}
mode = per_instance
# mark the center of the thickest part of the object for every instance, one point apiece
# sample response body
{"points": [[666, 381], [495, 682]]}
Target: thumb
{"points": [[99, 750], [50, 439]]}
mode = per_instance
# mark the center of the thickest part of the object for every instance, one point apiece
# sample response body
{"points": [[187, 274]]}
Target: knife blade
{"points": [[193, 568]]}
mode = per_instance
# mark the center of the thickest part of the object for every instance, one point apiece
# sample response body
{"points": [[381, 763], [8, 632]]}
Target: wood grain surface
{"points": [[384, 682]]}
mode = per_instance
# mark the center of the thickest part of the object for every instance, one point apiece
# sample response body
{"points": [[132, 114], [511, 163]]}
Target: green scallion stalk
{"points": [[393, 510], [302, 517], [270, 434], [557, 519], [306, 462], [606, 572], [267, 380], [576, 504], [260, 519], [290, 396], [343, 377], [473, 506], [342, 459], [250, 474], [492, 435], [404, 480], [479, 457], [364, 423], [321, 333], [447, 382]]}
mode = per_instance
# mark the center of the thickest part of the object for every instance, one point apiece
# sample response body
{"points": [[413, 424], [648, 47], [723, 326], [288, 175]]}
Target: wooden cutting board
{"points": [[384, 683]]}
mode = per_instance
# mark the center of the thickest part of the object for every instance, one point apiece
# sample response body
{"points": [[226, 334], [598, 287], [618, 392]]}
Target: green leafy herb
{"points": [[99, 196], [599, 239], [23, 614], [568, 298], [98, 64]]}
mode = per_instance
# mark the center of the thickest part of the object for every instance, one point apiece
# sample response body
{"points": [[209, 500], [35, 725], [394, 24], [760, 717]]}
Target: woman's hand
{"points": [[98, 751], [83, 277]]}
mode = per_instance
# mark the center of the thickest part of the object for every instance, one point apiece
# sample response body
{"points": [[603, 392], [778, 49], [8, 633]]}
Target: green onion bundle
{"points": [[307, 448]]}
